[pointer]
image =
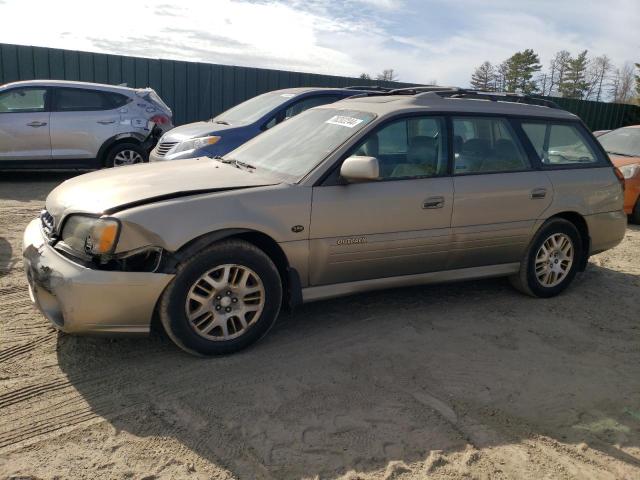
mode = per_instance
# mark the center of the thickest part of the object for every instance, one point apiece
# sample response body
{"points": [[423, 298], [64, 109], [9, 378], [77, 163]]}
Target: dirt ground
{"points": [[466, 380]]}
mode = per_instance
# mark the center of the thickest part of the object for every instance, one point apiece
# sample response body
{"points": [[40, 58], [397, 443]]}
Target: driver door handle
{"points": [[36, 124], [538, 193], [433, 202], [106, 122]]}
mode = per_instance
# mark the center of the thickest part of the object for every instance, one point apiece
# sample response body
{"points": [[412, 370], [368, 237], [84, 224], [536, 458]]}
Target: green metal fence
{"points": [[198, 91], [194, 91]]}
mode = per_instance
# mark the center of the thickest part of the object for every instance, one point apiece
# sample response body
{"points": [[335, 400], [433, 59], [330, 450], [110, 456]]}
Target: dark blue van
{"points": [[241, 123]]}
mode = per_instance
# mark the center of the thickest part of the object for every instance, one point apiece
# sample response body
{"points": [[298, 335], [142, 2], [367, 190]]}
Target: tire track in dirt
{"points": [[21, 349], [32, 391]]}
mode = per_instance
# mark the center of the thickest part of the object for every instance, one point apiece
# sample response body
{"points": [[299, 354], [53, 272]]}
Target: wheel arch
{"points": [[129, 137], [581, 224], [289, 276]]}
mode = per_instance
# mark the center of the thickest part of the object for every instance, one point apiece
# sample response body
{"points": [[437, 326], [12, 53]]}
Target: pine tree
{"points": [[484, 78], [575, 84], [519, 70]]}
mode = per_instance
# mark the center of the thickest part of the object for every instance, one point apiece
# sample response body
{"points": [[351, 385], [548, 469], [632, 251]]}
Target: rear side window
{"points": [[560, 144], [308, 103], [23, 100], [76, 99], [486, 145]]}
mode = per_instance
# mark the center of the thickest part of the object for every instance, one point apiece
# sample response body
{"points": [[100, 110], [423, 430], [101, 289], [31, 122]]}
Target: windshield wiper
{"points": [[221, 122], [236, 163], [620, 153]]}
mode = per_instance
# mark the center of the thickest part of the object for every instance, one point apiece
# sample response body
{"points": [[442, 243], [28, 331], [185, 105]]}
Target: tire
{"points": [[635, 214], [198, 326], [125, 154], [528, 282]]}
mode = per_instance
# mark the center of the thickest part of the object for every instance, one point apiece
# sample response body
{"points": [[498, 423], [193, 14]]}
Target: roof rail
{"points": [[420, 89], [498, 97], [369, 87], [456, 92]]}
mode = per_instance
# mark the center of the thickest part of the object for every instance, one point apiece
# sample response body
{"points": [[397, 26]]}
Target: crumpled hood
{"points": [[106, 191], [195, 130]]}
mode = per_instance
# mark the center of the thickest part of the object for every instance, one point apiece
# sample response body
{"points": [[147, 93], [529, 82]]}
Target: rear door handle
{"points": [[106, 122], [538, 193], [37, 124], [433, 202]]}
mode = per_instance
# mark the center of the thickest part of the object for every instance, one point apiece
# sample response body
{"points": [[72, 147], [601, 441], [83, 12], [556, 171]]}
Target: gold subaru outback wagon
{"points": [[403, 188]]}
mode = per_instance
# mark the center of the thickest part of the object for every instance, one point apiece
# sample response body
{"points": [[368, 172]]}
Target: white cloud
{"points": [[420, 39]]}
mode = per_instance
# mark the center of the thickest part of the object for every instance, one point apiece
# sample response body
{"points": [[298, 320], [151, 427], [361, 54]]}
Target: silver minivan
{"points": [[410, 187], [55, 124]]}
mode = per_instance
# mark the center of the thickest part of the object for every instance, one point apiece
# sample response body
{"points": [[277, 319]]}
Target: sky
{"points": [[422, 40]]}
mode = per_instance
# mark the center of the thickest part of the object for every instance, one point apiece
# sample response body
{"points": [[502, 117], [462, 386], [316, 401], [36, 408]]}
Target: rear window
{"points": [[558, 144], [76, 99]]}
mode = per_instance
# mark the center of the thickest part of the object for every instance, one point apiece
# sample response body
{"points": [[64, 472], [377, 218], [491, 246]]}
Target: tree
{"points": [[364, 76], [575, 84], [387, 76], [519, 70], [638, 81], [622, 84], [599, 68], [557, 69], [484, 78]]}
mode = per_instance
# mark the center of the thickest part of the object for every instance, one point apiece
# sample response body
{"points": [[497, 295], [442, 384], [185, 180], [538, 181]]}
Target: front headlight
{"points": [[629, 171], [196, 143], [90, 235]]}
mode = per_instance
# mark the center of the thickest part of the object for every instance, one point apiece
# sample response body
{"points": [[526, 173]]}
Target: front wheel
{"points": [[222, 299], [551, 261]]}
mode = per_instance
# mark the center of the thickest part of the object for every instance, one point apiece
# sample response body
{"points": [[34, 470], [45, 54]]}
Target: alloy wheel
{"points": [[554, 260], [127, 157], [225, 301]]}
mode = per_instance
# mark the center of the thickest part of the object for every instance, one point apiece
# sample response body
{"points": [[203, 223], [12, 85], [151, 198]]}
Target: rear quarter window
{"points": [[77, 99], [561, 144]]}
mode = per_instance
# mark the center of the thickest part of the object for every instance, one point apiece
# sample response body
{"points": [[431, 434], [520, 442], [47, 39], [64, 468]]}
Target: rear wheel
{"points": [[222, 299], [551, 261], [124, 154], [635, 214]]}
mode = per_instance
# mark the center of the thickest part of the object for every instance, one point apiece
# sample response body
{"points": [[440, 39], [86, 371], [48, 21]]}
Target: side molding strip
{"points": [[312, 294]]}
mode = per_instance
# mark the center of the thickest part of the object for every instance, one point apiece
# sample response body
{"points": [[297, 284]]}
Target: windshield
{"points": [[254, 108], [624, 141], [295, 147]]}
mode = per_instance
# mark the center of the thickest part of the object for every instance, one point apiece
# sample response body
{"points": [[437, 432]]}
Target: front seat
{"points": [[422, 159]]}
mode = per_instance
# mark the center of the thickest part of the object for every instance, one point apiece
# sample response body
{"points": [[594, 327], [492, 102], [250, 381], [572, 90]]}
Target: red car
{"points": [[623, 147]]}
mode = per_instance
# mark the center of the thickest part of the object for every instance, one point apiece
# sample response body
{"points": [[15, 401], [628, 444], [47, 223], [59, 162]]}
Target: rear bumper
{"points": [[606, 230], [77, 299]]}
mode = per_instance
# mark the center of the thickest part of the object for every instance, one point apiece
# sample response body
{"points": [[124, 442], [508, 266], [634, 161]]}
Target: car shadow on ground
{"points": [[355, 383], [30, 186]]}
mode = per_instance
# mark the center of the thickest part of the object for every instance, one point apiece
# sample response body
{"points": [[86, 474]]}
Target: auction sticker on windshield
{"points": [[344, 121]]}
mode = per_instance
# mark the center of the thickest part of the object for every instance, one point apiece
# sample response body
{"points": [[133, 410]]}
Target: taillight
{"points": [[620, 176], [160, 119]]}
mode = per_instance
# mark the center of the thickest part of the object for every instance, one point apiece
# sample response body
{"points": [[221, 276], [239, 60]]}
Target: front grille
{"points": [[164, 147], [48, 223]]}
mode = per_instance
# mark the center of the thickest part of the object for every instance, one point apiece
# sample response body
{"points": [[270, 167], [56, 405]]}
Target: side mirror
{"points": [[360, 169]]}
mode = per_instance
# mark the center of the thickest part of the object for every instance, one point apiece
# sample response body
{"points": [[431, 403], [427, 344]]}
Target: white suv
{"points": [[54, 124]]}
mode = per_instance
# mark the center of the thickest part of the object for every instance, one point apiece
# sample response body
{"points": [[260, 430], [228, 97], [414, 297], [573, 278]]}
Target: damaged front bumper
{"points": [[77, 299]]}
